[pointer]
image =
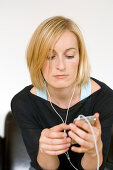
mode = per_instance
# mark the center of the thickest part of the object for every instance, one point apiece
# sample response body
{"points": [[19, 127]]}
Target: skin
{"points": [[59, 76], [61, 73]]}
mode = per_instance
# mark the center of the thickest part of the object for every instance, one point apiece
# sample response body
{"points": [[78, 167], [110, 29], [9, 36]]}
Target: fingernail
{"points": [[68, 144], [72, 125], [68, 140], [64, 135]]}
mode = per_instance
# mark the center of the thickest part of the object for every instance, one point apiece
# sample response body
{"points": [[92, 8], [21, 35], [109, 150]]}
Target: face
{"points": [[61, 70]]}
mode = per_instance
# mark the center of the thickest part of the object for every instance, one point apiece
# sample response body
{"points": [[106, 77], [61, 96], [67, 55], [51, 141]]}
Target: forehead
{"points": [[67, 40]]}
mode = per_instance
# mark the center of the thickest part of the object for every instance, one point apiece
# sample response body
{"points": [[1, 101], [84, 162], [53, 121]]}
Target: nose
{"points": [[60, 63]]}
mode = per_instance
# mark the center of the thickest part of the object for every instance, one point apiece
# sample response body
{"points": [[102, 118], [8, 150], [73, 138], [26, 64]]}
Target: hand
{"points": [[53, 141], [81, 133]]}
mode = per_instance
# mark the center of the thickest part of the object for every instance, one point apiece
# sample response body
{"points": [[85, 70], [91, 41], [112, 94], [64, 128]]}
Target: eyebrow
{"points": [[65, 50]]}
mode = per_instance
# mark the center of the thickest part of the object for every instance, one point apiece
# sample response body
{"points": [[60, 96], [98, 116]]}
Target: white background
{"points": [[19, 19]]}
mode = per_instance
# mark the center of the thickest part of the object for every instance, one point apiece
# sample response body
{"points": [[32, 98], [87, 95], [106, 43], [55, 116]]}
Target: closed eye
{"points": [[70, 56]]}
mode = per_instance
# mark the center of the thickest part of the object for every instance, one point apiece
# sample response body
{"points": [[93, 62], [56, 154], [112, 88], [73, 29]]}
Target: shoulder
{"points": [[103, 103], [23, 109], [22, 94], [97, 85], [94, 86], [103, 99], [21, 98]]}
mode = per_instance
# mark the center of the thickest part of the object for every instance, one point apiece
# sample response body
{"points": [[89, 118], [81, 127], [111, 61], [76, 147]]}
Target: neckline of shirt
{"points": [[81, 101], [85, 91]]}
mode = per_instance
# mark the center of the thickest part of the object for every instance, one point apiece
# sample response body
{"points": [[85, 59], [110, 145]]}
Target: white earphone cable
{"points": [[93, 138], [67, 154]]}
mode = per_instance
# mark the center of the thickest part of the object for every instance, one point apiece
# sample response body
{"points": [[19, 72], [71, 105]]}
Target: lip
{"points": [[61, 76]]}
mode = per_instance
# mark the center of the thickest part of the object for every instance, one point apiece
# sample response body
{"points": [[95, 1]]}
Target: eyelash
{"points": [[52, 57], [70, 56]]}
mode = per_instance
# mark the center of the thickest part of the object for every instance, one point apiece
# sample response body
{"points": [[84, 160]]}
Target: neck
{"points": [[62, 97]]}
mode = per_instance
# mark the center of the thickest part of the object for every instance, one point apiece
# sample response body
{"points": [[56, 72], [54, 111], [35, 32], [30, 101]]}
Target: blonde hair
{"points": [[43, 38]]}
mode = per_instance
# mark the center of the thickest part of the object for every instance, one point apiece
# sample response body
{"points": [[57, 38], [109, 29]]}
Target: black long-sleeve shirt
{"points": [[33, 114]]}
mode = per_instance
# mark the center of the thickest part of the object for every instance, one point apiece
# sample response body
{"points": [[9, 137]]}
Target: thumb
{"points": [[97, 124], [59, 128]]}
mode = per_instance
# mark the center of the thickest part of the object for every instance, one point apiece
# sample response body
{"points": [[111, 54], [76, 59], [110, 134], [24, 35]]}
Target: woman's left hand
{"points": [[81, 133]]}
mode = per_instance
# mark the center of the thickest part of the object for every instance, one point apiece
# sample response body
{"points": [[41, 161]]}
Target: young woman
{"points": [[61, 90]]}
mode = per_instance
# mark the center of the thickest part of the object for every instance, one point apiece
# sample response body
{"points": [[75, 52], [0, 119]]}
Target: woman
{"points": [[61, 90]]}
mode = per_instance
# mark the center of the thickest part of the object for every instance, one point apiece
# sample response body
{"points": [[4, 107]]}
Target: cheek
{"points": [[45, 70], [74, 66]]}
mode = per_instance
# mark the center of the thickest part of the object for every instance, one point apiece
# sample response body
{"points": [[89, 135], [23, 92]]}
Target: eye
{"points": [[52, 57], [70, 56]]}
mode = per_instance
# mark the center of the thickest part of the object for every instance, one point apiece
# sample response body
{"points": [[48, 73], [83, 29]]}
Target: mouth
{"points": [[61, 76]]}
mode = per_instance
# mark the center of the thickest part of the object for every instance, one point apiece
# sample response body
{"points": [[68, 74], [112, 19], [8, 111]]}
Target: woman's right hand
{"points": [[53, 141]]}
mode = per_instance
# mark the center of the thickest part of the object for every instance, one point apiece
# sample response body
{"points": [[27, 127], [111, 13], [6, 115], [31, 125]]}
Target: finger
{"points": [[81, 133], [57, 152], [78, 149], [50, 141], [83, 125], [57, 135], [52, 134], [55, 147], [60, 127], [79, 140], [97, 124]]}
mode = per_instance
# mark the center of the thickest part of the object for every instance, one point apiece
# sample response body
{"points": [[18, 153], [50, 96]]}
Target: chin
{"points": [[61, 86]]}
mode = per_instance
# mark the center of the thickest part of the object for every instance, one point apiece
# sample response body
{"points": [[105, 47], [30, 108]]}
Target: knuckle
{"points": [[81, 150], [51, 141], [84, 135], [82, 143], [40, 140], [63, 125], [44, 131], [91, 146], [67, 140], [98, 135], [50, 147], [64, 147], [77, 130], [63, 141], [55, 153], [86, 126]]}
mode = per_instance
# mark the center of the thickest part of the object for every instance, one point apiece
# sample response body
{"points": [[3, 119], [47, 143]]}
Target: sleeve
{"points": [[104, 107], [29, 125]]}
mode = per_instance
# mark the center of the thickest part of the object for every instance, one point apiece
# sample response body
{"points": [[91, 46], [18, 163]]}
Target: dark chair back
{"points": [[16, 157]]}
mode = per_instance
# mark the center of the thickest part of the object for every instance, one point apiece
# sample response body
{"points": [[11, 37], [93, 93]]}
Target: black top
{"points": [[33, 114]]}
